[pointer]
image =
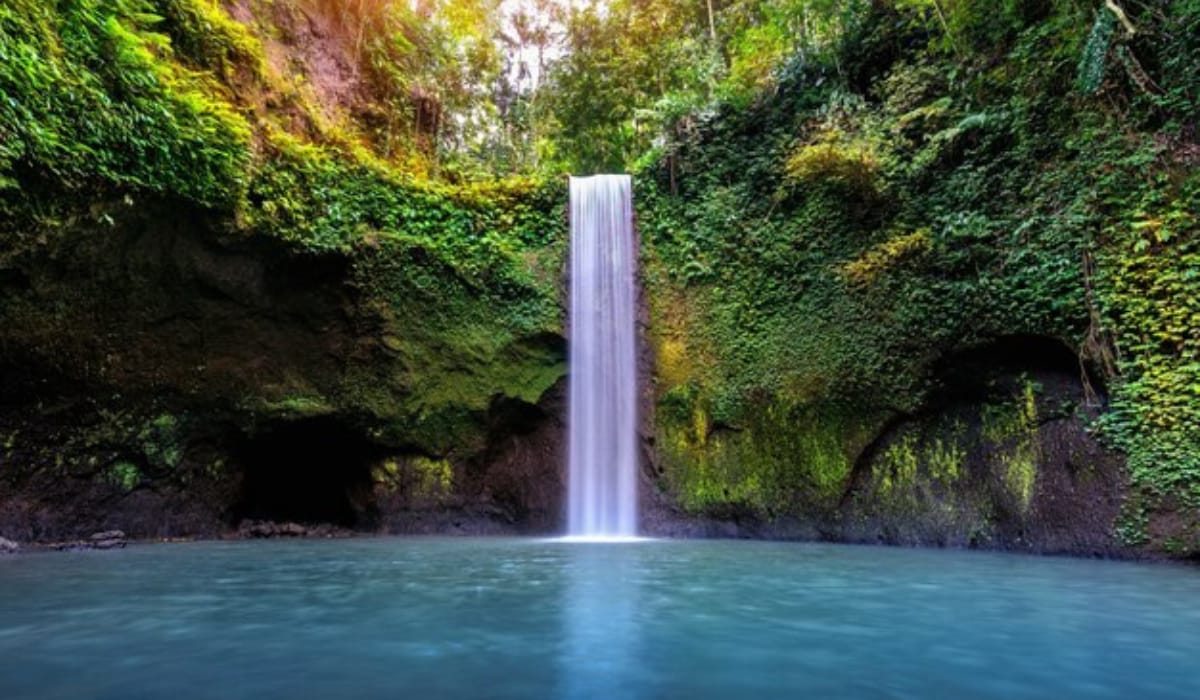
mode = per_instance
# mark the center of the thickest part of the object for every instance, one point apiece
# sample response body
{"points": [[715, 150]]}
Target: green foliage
{"points": [[1151, 288], [429, 70], [878, 260], [94, 96], [1132, 524], [325, 202], [833, 158], [124, 475], [454, 342], [648, 73], [162, 442], [971, 28], [202, 33], [460, 281], [783, 286]]}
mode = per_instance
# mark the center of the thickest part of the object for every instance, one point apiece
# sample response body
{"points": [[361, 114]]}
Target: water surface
{"points": [[499, 618]]}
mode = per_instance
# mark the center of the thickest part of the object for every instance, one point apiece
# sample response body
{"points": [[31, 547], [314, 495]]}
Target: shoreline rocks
{"points": [[267, 529], [107, 539]]}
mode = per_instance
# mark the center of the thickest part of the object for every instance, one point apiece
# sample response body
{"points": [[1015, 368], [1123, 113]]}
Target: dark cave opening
{"points": [[977, 372], [310, 471]]}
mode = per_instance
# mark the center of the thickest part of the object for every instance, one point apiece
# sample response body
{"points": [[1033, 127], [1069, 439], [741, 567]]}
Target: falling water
{"points": [[603, 394]]}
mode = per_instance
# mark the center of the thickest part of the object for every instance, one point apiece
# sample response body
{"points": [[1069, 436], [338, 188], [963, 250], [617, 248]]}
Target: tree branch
{"points": [[1121, 16]]}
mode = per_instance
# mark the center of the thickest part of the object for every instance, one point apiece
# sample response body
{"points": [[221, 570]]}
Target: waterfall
{"points": [[602, 488]]}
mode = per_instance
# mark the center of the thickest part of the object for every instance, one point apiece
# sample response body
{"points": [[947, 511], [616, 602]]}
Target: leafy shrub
{"points": [[93, 95], [835, 158]]}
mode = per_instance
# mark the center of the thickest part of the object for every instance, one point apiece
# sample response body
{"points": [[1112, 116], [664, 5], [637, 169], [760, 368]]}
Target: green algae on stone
{"points": [[1011, 430], [921, 469], [781, 460], [418, 476], [435, 477]]}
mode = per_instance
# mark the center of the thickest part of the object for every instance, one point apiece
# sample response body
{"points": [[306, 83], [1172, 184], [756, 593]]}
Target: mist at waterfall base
{"points": [[522, 618], [602, 425]]}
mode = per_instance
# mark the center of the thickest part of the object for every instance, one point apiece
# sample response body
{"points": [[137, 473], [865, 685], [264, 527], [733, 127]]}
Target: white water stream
{"points": [[602, 489]]}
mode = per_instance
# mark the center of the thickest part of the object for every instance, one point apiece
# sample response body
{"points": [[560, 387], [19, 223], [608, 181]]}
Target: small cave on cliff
{"points": [[976, 373], [310, 471]]}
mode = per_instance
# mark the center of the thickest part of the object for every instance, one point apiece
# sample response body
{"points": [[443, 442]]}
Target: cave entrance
{"points": [[310, 471], [974, 373]]}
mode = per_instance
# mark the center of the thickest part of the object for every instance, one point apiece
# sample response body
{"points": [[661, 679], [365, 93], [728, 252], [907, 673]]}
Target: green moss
{"points": [[946, 457], [1011, 429], [435, 477], [918, 474], [386, 475], [464, 318], [124, 475], [420, 477], [456, 278], [898, 467], [1021, 475], [781, 460]]}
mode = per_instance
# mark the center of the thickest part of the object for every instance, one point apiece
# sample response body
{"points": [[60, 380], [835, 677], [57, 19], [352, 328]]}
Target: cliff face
{"points": [[165, 375], [163, 379], [1000, 455], [222, 301], [877, 307], [888, 304]]}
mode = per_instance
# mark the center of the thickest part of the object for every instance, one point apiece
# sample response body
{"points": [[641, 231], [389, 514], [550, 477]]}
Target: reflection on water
{"points": [[602, 636], [435, 618]]}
